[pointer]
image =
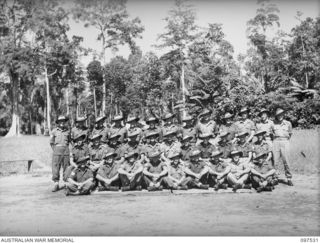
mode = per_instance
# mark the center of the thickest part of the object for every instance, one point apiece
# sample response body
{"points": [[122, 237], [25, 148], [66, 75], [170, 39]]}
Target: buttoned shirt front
{"points": [[282, 130]]}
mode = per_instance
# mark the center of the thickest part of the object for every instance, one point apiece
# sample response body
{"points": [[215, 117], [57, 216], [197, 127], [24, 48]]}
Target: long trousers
{"points": [[60, 159], [281, 152]]}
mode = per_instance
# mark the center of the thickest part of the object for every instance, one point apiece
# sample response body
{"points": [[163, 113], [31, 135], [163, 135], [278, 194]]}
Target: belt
{"points": [[61, 145]]}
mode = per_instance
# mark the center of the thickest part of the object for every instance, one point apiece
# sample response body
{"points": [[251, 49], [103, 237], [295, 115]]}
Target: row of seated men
{"points": [[171, 164]]}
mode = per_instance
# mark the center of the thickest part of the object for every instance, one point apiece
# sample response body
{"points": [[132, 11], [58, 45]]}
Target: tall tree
{"points": [[180, 32], [111, 19]]}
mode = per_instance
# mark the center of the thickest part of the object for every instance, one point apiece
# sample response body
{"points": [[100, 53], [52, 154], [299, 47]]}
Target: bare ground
{"points": [[28, 207]]}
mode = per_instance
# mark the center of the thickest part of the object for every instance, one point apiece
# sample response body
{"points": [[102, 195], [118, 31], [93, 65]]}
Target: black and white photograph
{"points": [[159, 118]]}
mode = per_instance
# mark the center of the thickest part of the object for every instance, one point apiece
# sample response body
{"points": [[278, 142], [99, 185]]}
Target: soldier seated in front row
{"points": [[81, 179], [197, 171], [239, 172], [263, 174], [107, 174], [155, 172], [176, 175], [130, 172], [218, 171]]}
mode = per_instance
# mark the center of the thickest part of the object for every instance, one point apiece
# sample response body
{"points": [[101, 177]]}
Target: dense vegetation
{"points": [[40, 71]]}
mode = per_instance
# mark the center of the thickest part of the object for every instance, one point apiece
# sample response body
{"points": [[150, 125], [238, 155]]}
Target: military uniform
{"points": [[103, 131], [109, 171], [156, 168], [216, 167], [282, 132], [78, 152], [122, 131], [97, 153], [245, 126], [231, 129], [266, 126], [75, 131], [206, 150], [81, 175], [60, 139], [169, 149], [261, 147], [196, 167], [131, 183]]}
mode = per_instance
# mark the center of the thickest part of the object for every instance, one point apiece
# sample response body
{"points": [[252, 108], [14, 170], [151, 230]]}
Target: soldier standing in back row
{"points": [[282, 131], [59, 141]]}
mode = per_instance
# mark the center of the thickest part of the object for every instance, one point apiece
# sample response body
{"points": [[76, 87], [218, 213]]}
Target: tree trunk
{"points": [[15, 125], [95, 101], [48, 131], [183, 91]]}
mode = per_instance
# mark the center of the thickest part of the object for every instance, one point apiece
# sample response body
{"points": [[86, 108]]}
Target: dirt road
{"points": [[27, 207]]}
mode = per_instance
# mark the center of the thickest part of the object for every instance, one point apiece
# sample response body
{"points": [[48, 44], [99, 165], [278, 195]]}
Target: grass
{"points": [[304, 155]]}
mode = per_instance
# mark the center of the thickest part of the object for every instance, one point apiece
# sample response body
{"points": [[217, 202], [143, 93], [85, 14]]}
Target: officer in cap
{"points": [[282, 132], [81, 179], [59, 141]]}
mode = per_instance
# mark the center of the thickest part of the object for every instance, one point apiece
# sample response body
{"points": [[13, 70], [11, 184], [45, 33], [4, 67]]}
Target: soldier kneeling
{"points": [[81, 179], [107, 174], [263, 174]]}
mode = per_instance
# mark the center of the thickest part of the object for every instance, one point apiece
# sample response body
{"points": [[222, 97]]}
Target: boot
{"points": [[125, 188], [55, 187], [183, 187], [289, 182], [204, 186]]}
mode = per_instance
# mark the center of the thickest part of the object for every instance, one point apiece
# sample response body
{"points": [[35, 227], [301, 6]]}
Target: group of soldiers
{"points": [[158, 154]]}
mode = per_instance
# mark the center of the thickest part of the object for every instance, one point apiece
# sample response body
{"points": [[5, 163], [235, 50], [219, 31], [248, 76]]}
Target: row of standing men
{"points": [[197, 154]]}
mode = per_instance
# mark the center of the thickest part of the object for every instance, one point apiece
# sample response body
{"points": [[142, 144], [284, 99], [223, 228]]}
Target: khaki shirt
{"points": [[103, 131], [263, 168], [245, 126], [173, 148], [108, 171], [122, 131], [210, 127], [97, 153], [60, 137], [131, 168], [79, 131], [155, 169], [266, 126], [176, 172], [282, 129], [238, 167], [81, 175], [79, 152]]}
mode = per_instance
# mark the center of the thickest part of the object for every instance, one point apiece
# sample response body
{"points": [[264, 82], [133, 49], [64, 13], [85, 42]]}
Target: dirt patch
{"points": [[28, 207]]}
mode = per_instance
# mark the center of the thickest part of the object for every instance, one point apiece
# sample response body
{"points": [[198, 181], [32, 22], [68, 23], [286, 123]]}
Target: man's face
{"points": [[152, 124], [109, 160], [96, 142], [280, 117], [264, 116], [195, 159], [133, 124], [206, 140], [153, 140], [244, 115], [62, 124], [175, 161], [242, 139], [205, 118], [131, 160], [133, 139], [154, 160], [168, 121], [79, 142], [117, 123], [215, 159], [228, 121], [114, 141], [236, 158], [186, 143], [99, 124]]}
